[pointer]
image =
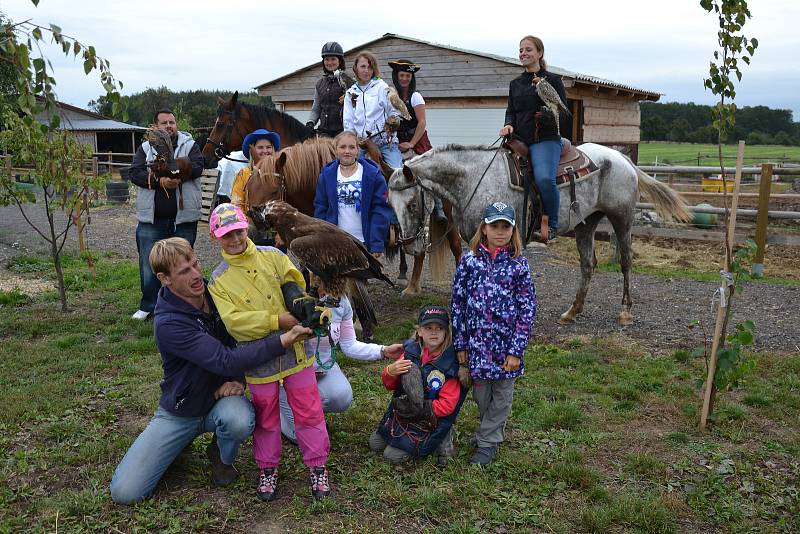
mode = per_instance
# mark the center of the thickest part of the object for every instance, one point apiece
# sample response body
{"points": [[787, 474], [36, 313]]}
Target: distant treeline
{"points": [[691, 123], [195, 109]]}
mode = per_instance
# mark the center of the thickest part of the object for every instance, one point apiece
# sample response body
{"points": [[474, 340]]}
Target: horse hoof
{"points": [[402, 276], [566, 319], [625, 319], [409, 292]]}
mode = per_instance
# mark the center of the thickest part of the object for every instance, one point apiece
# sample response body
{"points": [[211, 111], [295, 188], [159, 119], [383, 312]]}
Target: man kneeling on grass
{"points": [[203, 386]]}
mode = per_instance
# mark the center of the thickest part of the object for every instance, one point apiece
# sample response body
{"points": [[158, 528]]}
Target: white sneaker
{"points": [[140, 315]]}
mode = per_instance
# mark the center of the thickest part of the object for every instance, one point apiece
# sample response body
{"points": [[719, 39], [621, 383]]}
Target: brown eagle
{"points": [[323, 248]]}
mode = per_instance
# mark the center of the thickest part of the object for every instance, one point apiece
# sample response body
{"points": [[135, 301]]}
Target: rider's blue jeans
{"points": [[146, 236], [137, 475], [545, 156]]}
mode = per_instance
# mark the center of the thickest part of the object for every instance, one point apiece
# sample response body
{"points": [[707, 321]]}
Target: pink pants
{"points": [[312, 434]]}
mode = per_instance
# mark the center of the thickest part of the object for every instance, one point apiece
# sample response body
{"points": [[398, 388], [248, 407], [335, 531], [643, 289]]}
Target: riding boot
{"points": [[438, 211]]}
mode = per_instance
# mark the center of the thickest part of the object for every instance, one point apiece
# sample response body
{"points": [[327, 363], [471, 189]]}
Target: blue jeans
{"points": [[146, 236], [390, 152], [136, 477], [545, 156]]}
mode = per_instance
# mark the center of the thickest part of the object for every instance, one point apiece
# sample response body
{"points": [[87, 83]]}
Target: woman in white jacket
{"points": [[367, 106], [334, 388]]}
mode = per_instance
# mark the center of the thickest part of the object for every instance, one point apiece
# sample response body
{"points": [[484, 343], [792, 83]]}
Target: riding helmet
{"points": [[332, 49]]}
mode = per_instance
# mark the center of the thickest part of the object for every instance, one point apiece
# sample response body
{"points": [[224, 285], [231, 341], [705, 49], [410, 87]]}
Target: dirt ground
{"points": [[663, 307]]}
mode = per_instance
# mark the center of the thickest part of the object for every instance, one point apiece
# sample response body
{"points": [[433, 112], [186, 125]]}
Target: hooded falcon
{"points": [[550, 97]]}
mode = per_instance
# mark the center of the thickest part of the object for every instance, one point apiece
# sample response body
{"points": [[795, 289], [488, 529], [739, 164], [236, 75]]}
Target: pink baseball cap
{"points": [[226, 217]]}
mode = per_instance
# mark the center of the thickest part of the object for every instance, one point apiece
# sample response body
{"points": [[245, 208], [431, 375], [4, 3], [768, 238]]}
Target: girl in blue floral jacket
{"points": [[493, 306]]}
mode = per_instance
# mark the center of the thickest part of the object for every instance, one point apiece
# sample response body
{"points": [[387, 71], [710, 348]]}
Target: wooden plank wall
{"points": [[451, 79], [445, 73], [208, 182], [608, 118]]}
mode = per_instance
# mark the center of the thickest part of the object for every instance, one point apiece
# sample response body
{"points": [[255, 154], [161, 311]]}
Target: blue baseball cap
{"points": [[499, 211], [261, 133]]}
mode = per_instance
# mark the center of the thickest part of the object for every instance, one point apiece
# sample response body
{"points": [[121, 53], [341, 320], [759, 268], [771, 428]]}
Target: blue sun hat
{"points": [[261, 133], [499, 211]]}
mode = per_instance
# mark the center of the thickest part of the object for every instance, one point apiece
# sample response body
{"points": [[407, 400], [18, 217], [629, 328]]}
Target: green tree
{"points": [[31, 71], [51, 160], [732, 46], [48, 157]]}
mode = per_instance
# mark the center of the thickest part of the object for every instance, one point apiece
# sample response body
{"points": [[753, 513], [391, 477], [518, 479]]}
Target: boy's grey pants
{"points": [[493, 398]]}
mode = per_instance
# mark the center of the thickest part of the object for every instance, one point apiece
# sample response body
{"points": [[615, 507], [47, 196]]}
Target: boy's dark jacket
{"points": [[198, 354]]}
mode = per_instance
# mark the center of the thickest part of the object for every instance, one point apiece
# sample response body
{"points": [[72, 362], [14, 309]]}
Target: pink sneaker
{"points": [[320, 486], [267, 484]]}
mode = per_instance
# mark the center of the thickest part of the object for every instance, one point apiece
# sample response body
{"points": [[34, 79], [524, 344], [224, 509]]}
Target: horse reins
{"points": [[424, 212]]}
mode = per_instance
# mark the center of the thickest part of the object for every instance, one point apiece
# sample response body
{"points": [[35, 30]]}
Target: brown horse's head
{"points": [[228, 132], [267, 181]]}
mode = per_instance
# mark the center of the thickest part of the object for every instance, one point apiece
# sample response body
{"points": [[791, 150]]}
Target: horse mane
{"points": [[303, 164], [265, 115], [463, 148]]}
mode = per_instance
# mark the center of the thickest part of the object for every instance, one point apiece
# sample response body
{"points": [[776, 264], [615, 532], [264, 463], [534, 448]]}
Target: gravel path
{"points": [[662, 307]]}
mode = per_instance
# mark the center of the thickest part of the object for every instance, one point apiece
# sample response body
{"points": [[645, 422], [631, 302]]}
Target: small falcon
{"points": [[397, 102], [550, 97]]}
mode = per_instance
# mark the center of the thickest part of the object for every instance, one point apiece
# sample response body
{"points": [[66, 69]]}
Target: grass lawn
{"points": [[687, 154], [603, 438]]}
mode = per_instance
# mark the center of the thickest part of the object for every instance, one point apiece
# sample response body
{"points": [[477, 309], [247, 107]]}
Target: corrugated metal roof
{"points": [[100, 124], [86, 125], [514, 61]]}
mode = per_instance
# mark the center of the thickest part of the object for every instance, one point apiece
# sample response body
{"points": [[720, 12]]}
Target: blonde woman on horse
{"points": [[529, 119], [367, 108], [329, 92], [256, 146]]}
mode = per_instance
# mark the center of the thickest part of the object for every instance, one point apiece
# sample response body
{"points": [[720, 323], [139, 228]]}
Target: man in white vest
{"points": [[167, 203]]}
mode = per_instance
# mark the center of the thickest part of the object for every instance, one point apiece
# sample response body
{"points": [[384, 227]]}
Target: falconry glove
{"points": [[304, 308]]}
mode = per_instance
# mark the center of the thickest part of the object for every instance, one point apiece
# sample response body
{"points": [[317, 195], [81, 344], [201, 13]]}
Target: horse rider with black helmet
{"points": [[329, 93]]}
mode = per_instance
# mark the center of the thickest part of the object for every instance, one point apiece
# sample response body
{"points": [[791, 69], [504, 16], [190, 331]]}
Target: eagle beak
{"points": [[257, 214]]}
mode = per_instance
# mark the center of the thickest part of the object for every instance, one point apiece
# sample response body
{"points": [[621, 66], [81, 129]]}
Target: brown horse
{"points": [[237, 119], [291, 176]]}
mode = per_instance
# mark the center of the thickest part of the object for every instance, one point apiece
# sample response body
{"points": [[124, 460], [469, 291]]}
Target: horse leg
{"points": [[413, 286], [622, 229], [403, 267], [584, 239], [453, 236]]}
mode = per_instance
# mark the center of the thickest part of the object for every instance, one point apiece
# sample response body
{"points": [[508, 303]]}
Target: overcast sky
{"points": [[664, 46]]}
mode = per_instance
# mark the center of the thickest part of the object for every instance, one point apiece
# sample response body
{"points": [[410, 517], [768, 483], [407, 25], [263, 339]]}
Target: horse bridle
{"points": [[219, 146], [423, 213]]}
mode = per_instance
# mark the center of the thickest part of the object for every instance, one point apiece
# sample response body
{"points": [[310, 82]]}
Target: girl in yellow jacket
{"points": [[246, 288]]}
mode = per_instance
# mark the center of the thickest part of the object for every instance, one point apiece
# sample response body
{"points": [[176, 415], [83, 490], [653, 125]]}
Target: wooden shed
{"points": [[97, 131], [466, 94]]}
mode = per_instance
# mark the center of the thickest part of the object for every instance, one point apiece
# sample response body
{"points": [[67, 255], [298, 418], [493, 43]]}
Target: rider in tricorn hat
{"points": [[412, 133]]}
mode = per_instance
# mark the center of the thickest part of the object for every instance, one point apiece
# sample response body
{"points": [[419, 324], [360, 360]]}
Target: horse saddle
{"points": [[572, 163]]}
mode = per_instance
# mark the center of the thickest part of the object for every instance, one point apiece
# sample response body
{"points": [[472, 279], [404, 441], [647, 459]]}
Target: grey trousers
{"points": [[394, 455], [494, 398]]}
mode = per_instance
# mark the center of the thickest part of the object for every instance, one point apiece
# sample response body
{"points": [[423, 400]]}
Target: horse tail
{"points": [[438, 250], [362, 304], [668, 202]]}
